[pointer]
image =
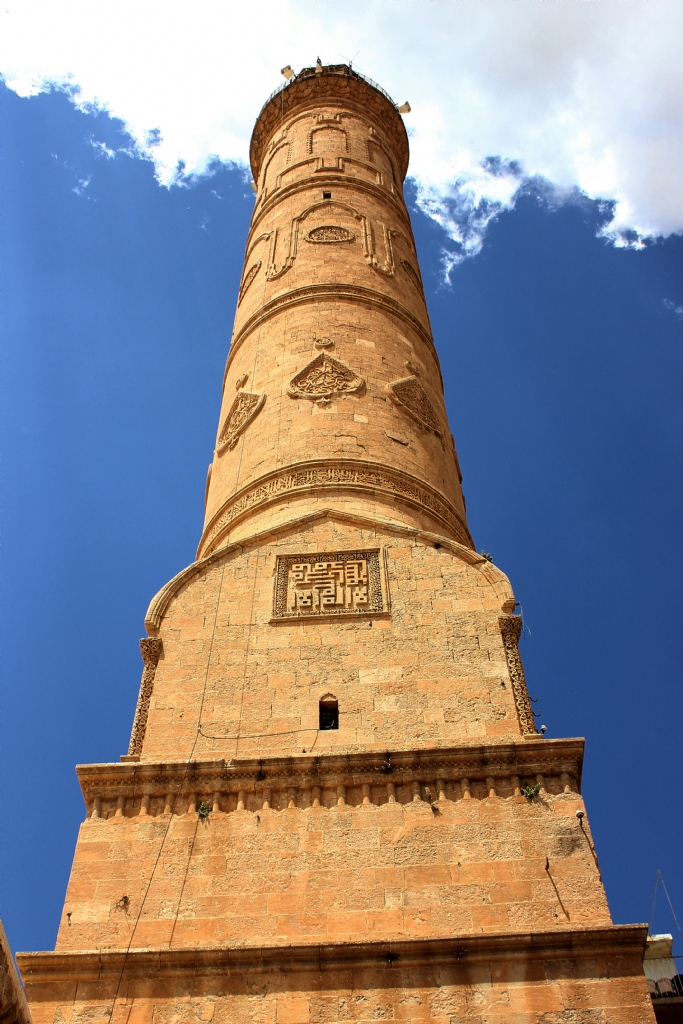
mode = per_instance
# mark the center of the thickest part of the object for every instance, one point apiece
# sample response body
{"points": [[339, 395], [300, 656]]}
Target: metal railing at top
{"points": [[335, 69]]}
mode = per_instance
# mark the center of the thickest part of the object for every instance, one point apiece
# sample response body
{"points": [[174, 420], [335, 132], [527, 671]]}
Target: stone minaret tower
{"points": [[335, 806]]}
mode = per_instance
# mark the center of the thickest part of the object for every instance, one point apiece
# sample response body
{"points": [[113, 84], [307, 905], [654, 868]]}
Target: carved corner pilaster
{"points": [[150, 648], [511, 628]]}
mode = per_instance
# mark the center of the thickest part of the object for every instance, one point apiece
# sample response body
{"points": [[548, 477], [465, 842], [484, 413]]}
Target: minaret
{"points": [[335, 805]]}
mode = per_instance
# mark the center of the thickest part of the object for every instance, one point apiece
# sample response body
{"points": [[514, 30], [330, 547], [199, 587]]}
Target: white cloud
{"points": [[676, 310], [586, 94]]}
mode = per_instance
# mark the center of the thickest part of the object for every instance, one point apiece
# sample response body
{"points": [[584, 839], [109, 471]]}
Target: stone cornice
{"points": [[351, 475], [204, 962], [528, 757], [337, 292], [163, 597]]}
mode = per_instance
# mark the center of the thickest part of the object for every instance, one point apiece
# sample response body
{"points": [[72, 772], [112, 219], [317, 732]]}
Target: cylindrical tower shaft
{"points": [[332, 394]]}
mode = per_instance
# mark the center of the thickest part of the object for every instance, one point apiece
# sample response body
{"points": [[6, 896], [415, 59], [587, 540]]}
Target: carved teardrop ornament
{"points": [[409, 394], [242, 411], [247, 280], [323, 377]]}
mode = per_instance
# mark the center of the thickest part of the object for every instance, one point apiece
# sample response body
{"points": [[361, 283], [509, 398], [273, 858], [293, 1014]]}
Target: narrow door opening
{"points": [[329, 714]]}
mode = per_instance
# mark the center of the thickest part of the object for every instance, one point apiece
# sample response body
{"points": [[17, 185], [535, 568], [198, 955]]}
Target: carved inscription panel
{"points": [[343, 583]]}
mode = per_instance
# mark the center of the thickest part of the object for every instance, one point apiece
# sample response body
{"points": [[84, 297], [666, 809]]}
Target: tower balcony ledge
{"points": [[548, 768], [108, 967]]}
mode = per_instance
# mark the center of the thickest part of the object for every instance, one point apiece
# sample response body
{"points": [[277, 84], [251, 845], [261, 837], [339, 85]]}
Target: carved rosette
{"points": [[242, 411], [324, 377], [409, 395], [150, 648], [511, 628]]}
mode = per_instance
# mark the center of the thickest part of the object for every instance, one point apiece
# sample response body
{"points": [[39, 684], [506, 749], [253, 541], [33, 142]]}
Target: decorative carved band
{"points": [[372, 478], [150, 648], [357, 294], [511, 627], [467, 769]]}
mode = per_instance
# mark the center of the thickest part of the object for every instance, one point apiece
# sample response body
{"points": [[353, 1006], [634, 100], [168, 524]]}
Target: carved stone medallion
{"points": [[323, 377], [242, 411], [343, 583], [330, 233], [412, 397]]}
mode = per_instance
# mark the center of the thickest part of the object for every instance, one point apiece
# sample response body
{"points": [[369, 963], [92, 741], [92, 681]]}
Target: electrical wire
{"points": [[171, 808], [654, 900], [258, 735]]}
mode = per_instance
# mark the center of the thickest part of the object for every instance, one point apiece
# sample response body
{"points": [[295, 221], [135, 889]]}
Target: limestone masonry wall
{"points": [[331, 297], [333, 862], [429, 668]]}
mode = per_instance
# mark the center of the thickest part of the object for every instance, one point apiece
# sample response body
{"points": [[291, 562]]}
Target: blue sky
{"points": [[562, 356]]}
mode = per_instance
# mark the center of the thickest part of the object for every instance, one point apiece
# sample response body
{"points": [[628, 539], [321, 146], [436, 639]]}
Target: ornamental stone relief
{"points": [[324, 233], [409, 394], [330, 233], [375, 480], [247, 280], [150, 648], [242, 411], [412, 274], [324, 377], [344, 583]]}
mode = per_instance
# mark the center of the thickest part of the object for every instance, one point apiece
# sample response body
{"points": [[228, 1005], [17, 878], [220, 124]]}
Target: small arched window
{"points": [[329, 713]]}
